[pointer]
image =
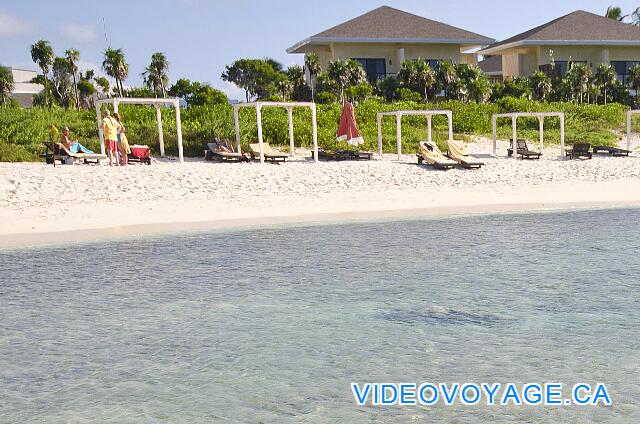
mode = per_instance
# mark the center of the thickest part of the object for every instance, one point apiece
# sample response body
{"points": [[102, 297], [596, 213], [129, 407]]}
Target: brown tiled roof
{"points": [[578, 26], [386, 24]]}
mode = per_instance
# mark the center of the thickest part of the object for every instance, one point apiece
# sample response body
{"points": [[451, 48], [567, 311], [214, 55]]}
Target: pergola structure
{"points": [[400, 113], [540, 115], [289, 107], [157, 103], [629, 114]]}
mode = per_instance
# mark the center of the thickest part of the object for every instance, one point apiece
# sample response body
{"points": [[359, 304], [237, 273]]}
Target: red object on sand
{"points": [[140, 152], [348, 129]]}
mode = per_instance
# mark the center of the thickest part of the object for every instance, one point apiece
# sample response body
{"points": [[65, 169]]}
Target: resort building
{"points": [[24, 89], [385, 37], [578, 37]]}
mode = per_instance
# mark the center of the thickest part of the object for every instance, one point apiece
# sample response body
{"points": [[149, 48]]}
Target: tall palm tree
{"points": [[634, 79], [605, 79], [635, 17], [6, 84], [73, 56], [115, 65], [615, 13], [42, 55], [447, 76], [312, 63], [540, 84], [418, 74], [156, 74]]}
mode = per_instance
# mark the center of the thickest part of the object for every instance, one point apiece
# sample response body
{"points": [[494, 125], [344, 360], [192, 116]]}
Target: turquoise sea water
{"points": [[273, 325]]}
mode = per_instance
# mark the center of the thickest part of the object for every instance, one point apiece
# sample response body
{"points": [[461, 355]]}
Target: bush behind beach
{"points": [[22, 131]]}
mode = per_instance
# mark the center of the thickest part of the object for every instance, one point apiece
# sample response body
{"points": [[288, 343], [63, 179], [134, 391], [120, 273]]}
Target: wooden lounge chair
{"points": [[457, 152], [613, 151], [429, 153], [523, 150], [579, 150], [222, 151], [269, 154], [57, 151]]}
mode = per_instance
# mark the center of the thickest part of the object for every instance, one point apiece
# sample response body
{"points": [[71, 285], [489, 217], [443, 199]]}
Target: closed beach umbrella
{"points": [[348, 129]]}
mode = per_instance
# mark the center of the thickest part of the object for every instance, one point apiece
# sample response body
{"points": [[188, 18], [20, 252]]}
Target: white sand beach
{"points": [[41, 204]]}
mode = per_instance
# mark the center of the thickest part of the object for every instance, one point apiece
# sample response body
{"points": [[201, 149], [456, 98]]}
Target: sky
{"points": [[200, 37]]}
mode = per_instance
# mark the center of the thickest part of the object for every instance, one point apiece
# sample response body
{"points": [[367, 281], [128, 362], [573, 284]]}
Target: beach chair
{"points": [[429, 153], [579, 150], [457, 152], [222, 151], [270, 155], [612, 151], [523, 150], [57, 151]]}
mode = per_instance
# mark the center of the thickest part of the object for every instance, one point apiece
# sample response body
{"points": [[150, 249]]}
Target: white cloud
{"points": [[84, 66], [11, 26], [231, 90], [80, 33]]}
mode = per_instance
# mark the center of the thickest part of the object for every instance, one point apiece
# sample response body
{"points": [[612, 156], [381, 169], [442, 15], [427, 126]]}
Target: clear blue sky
{"points": [[201, 36]]}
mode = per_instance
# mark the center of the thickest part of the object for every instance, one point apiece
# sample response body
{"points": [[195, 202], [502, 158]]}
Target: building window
{"points": [[622, 68], [561, 67], [375, 68], [433, 63]]}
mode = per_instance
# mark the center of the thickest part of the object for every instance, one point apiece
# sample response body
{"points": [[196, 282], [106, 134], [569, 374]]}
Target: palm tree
{"points": [[6, 84], [634, 79], [312, 63], [579, 76], [635, 17], [540, 85], [605, 79], [615, 13], [447, 76], [418, 74], [115, 66], [42, 55], [283, 86], [155, 75], [73, 56], [477, 84], [345, 73]]}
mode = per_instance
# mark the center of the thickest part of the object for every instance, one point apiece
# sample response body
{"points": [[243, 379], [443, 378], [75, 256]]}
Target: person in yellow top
{"points": [[110, 129], [123, 143]]}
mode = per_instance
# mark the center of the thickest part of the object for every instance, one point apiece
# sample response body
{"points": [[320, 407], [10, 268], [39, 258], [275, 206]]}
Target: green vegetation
{"points": [[22, 131]]}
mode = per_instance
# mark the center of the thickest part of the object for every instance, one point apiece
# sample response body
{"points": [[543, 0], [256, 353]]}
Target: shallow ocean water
{"points": [[273, 325]]}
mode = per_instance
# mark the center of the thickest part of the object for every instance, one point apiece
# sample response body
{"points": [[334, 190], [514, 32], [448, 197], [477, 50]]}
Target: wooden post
{"points": [[314, 129], [514, 135], [541, 129], [291, 142], [236, 124], [629, 130], [160, 132], [179, 132], [450, 120], [379, 119], [260, 141], [493, 126], [562, 135], [399, 133], [429, 127], [99, 121]]}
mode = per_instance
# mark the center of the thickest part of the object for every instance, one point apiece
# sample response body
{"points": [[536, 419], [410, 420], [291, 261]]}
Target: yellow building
{"points": [[577, 37], [385, 37]]}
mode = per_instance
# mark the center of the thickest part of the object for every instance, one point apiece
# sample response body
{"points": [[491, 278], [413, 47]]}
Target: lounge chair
{"points": [[613, 151], [579, 150], [140, 153], [456, 152], [523, 150], [429, 153], [269, 154], [57, 151], [222, 151]]}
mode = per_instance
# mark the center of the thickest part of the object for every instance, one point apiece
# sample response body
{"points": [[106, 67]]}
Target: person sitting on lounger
{"points": [[72, 146]]}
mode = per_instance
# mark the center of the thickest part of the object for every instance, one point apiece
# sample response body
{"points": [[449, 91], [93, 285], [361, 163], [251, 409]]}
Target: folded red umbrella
{"points": [[348, 129]]}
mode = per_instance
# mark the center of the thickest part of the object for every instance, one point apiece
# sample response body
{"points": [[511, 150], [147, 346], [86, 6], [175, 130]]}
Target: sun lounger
{"points": [[429, 153], [269, 154], [613, 151], [579, 150], [523, 150], [456, 152], [140, 153], [222, 151], [57, 151]]}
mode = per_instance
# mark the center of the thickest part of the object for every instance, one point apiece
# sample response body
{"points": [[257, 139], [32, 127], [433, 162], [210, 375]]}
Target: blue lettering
{"points": [[449, 396], [576, 394], [360, 397], [532, 398], [384, 389], [463, 394], [407, 394], [552, 397], [491, 392], [376, 391], [601, 392], [424, 387], [511, 394]]}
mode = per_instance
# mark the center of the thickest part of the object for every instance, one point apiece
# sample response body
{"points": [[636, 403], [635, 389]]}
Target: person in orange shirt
{"points": [[110, 128]]}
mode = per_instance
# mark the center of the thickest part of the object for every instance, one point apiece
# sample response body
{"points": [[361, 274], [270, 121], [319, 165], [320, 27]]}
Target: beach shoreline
{"points": [[42, 205]]}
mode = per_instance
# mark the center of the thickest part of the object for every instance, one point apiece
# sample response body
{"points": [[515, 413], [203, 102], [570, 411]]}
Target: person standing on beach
{"points": [[110, 129], [122, 142]]}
